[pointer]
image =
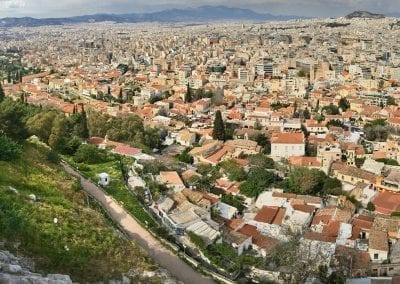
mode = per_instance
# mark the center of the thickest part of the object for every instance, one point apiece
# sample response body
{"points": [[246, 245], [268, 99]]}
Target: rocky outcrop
{"points": [[18, 270]]}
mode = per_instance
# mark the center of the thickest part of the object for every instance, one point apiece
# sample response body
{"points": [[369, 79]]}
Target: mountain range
{"points": [[364, 15], [199, 14]]}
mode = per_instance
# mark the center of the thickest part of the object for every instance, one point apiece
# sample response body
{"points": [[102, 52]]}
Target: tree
{"points": [[306, 114], [344, 104], [264, 142], [234, 200], [303, 180], [376, 130], [257, 180], [188, 96], [233, 170], [89, 154], [219, 127], [84, 125], [391, 101], [261, 161], [2, 94], [120, 99], [9, 149], [370, 206], [331, 109], [335, 122], [12, 120], [185, 157], [58, 136], [41, 124]]}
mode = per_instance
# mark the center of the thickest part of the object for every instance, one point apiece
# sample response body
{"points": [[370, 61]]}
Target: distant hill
{"points": [[199, 14], [364, 15]]}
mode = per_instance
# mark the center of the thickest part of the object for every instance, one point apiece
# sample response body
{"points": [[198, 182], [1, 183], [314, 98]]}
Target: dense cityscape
{"points": [[232, 151]]}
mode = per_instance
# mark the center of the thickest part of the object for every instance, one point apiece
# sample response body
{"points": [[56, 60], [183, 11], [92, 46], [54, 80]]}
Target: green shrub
{"points": [[89, 154], [9, 149]]}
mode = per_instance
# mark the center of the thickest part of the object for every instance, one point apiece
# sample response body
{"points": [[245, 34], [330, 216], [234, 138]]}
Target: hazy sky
{"points": [[57, 8]]}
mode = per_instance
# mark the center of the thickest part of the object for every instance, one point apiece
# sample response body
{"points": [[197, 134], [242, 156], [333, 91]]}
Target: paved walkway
{"points": [[165, 258]]}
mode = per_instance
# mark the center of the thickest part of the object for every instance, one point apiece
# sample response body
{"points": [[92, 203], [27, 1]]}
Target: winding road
{"points": [[165, 258]]}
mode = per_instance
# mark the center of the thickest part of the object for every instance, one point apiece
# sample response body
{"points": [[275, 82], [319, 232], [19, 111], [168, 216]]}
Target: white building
{"points": [[285, 145]]}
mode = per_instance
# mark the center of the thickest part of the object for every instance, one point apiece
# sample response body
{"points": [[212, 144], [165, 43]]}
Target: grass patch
{"points": [[116, 188], [82, 244]]}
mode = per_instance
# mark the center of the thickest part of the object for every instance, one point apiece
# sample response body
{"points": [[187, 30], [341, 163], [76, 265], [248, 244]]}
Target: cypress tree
{"points": [[219, 127], [2, 94], [188, 97], [120, 96], [84, 125]]}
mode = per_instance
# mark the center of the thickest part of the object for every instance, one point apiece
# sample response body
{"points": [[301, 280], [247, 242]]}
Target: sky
{"points": [[309, 8]]}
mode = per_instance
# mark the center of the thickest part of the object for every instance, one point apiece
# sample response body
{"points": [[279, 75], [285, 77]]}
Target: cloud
{"points": [[11, 4]]}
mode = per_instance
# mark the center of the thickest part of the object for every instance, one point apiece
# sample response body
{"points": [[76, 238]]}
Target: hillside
{"points": [[80, 242]]}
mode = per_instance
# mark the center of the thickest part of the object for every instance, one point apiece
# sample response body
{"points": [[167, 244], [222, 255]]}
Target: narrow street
{"points": [[165, 258]]}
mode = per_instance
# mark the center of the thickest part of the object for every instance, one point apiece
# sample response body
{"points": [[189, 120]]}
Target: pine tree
{"points": [[2, 95], [219, 127], [188, 97]]}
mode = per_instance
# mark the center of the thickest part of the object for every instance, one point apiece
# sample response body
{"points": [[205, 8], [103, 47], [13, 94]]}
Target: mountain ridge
{"points": [[364, 15], [205, 13]]}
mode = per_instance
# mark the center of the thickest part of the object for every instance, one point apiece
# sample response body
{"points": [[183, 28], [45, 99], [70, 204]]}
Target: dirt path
{"points": [[165, 258]]}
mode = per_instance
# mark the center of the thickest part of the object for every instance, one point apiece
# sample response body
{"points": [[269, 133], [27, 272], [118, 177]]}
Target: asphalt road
{"points": [[165, 258]]}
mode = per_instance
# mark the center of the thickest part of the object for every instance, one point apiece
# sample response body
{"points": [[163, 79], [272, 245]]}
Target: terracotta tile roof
{"points": [[331, 229], [258, 239], [304, 161], [379, 155], [270, 215], [386, 202], [266, 214], [126, 150], [353, 171], [303, 208], [217, 156], [171, 178], [287, 138], [234, 223], [310, 199], [378, 240], [360, 260], [319, 237], [332, 213], [363, 222]]}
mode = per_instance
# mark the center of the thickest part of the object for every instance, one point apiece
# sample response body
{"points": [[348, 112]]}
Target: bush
{"points": [[9, 149], [370, 206], [53, 157], [89, 154]]}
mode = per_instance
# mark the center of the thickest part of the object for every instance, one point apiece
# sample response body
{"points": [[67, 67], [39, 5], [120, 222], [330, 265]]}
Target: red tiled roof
{"points": [[126, 150], [303, 208], [271, 215], [287, 138], [386, 202], [258, 239], [319, 237], [363, 222]]}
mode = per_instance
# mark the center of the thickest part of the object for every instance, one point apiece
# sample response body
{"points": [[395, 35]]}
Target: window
{"points": [[376, 256]]}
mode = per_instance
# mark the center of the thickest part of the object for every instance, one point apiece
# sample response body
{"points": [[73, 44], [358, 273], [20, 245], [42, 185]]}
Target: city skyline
{"points": [[308, 8]]}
